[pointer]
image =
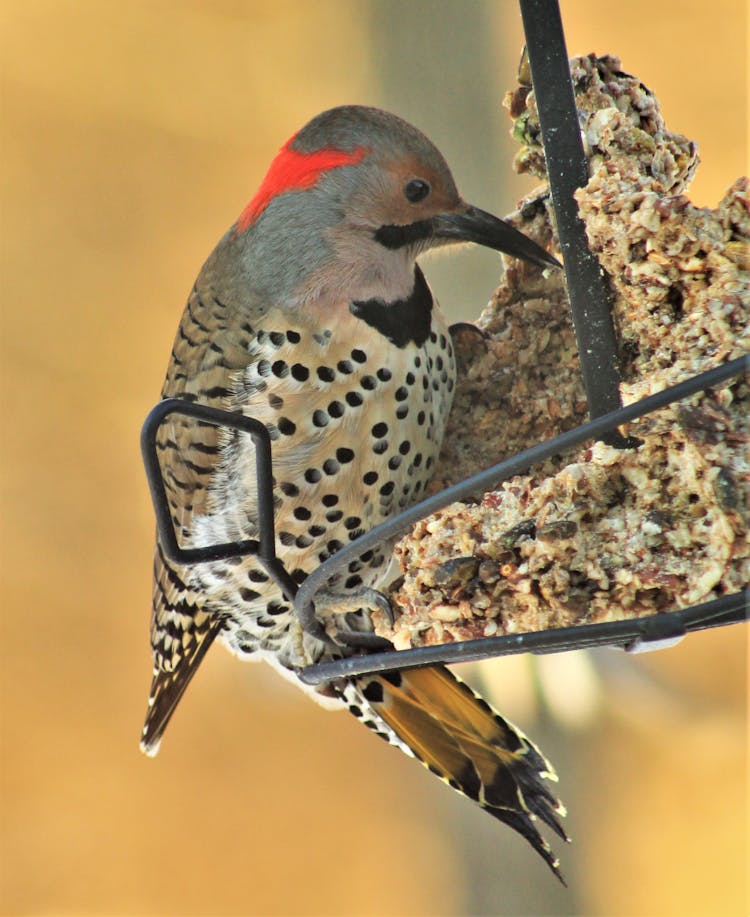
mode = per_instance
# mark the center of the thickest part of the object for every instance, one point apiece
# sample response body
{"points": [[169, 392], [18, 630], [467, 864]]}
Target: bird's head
{"points": [[363, 190]]}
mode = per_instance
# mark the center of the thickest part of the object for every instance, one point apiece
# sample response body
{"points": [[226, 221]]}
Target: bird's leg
{"points": [[351, 605]]}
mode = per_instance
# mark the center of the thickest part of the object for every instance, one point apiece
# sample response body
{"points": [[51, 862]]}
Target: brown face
{"points": [[417, 191], [418, 206], [409, 191]]}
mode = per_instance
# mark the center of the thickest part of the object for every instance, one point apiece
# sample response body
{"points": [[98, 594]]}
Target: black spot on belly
{"points": [[276, 608]]}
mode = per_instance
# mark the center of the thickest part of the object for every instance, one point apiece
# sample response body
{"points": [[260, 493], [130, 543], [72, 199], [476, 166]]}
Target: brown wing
{"points": [[464, 742], [207, 353]]}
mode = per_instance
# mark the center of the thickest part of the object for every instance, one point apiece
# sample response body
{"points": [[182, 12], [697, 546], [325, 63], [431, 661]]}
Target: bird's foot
{"points": [[469, 345], [330, 604], [356, 609]]}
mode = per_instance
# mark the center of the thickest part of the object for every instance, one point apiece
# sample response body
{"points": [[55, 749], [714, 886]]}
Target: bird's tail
{"points": [[458, 736], [168, 685]]}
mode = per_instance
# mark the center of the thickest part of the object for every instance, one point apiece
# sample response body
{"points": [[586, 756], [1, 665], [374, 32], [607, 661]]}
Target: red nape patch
{"points": [[293, 171]]}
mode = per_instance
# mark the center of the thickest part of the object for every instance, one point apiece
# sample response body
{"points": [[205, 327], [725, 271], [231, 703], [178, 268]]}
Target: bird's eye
{"points": [[416, 190]]}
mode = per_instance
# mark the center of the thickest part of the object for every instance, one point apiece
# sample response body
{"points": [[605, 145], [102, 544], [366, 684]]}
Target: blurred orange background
{"points": [[133, 134]]}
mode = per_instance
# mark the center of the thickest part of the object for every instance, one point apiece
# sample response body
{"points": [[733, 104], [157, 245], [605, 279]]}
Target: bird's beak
{"points": [[475, 225]]}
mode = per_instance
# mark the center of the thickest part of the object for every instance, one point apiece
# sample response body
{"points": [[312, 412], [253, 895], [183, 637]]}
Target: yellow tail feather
{"points": [[463, 741]]}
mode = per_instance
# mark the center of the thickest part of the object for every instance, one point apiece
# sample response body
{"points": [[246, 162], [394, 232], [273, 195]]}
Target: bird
{"points": [[313, 316]]}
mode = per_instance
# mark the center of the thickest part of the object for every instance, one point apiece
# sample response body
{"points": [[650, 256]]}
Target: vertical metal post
{"points": [[567, 170]]}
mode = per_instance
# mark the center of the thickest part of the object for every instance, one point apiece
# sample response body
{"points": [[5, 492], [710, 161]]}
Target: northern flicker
{"points": [[312, 315]]}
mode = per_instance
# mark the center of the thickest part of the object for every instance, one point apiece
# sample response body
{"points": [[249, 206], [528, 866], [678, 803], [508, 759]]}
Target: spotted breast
{"points": [[355, 431]]}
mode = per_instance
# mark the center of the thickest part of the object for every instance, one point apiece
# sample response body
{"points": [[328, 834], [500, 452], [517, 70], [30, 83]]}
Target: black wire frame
{"points": [[264, 547], [728, 609], [656, 631], [589, 299], [631, 634]]}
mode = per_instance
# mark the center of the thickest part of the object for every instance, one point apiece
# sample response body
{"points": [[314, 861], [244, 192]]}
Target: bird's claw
{"points": [[329, 605], [467, 330], [376, 601]]}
